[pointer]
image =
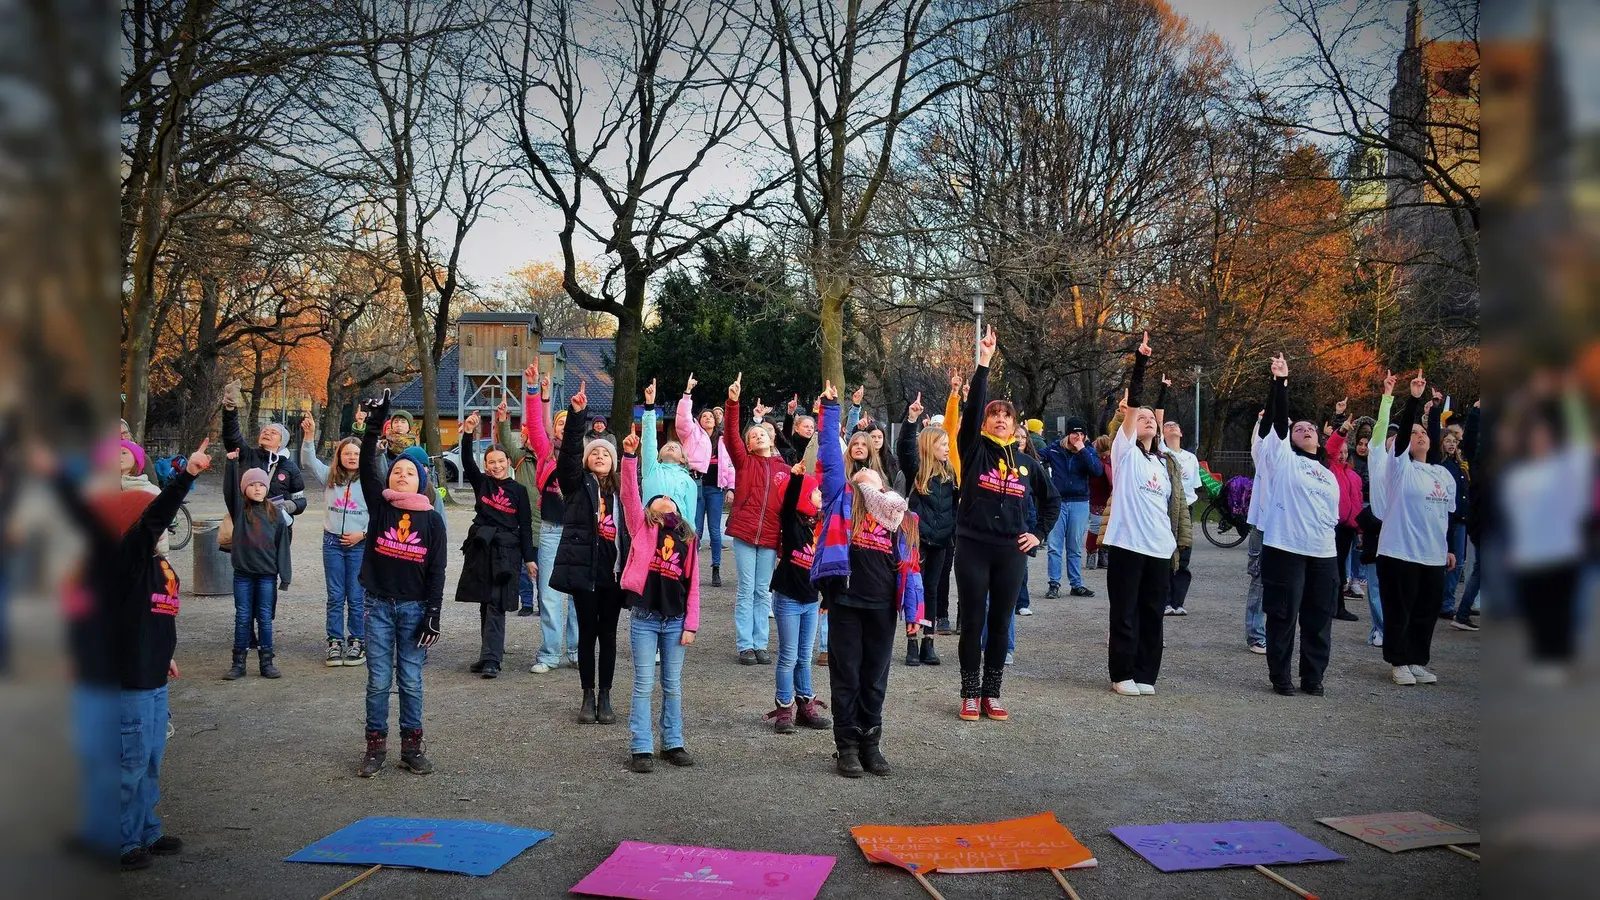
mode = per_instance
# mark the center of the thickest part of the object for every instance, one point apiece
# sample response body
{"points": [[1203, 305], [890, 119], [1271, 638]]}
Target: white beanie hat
{"points": [[608, 447]]}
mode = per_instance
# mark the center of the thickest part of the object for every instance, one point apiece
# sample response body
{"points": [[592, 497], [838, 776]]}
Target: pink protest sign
{"points": [[668, 872], [1398, 831]]}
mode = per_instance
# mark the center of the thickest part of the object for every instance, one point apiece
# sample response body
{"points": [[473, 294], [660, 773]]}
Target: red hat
{"points": [[807, 486]]}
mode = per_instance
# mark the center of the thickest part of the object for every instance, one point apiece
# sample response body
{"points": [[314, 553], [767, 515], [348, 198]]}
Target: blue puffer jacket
{"points": [[1070, 472]]}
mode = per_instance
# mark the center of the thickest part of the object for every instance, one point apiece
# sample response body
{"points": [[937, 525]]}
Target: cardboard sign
{"points": [[439, 845], [1032, 842], [670, 872], [1400, 831], [1181, 847]]}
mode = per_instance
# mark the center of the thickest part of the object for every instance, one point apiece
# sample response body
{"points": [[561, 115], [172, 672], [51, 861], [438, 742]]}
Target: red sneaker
{"points": [[969, 709], [993, 709]]}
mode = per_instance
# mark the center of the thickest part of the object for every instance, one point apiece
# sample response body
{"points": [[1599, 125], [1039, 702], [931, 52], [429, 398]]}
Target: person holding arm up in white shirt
{"points": [[1299, 556]]}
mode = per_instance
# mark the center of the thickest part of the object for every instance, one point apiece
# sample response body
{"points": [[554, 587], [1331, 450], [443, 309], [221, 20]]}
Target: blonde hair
{"points": [[910, 530], [929, 468]]}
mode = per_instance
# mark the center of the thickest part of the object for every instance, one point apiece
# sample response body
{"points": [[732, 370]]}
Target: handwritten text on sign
{"points": [[440, 845], [670, 872], [1032, 842], [1399, 831]]}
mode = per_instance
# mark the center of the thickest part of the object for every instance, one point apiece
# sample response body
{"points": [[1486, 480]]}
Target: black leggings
{"points": [[598, 611], [1137, 586], [1546, 597], [1295, 587], [987, 584], [1410, 595], [936, 563], [860, 646], [1344, 537]]}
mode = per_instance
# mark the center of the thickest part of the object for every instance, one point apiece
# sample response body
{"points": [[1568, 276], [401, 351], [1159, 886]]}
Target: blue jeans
{"points": [[144, 743], [650, 633], [754, 600], [822, 629], [525, 585], [255, 598], [341, 567], [797, 626], [1023, 600], [710, 513], [1255, 618], [1456, 539], [1066, 539], [392, 630], [96, 713], [557, 618], [1369, 571]]}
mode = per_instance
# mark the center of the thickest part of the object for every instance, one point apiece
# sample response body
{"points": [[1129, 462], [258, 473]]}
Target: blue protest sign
{"points": [[439, 845]]}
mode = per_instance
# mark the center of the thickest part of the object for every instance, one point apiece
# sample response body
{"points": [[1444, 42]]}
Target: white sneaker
{"points": [[1423, 676], [1376, 640], [1259, 649], [1125, 688], [1402, 675], [1025, 611], [1180, 611], [1169, 611], [538, 668], [1463, 626], [1008, 657], [1145, 690]]}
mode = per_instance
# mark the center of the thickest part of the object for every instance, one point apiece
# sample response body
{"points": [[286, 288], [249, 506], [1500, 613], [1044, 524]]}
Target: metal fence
{"points": [[1228, 463]]}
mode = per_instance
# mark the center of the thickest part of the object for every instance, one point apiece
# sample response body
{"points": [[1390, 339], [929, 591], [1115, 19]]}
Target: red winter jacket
{"points": [[759, 482]]}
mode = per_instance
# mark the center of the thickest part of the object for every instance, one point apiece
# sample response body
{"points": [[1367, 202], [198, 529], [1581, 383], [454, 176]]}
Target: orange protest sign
{"points": [[1032, 842]]}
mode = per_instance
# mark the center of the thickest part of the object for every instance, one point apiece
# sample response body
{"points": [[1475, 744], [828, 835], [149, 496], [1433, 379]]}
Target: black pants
{"points": [[860, 646], [987, 584], [1181, 579], [1300, 587], [491, 632], [1344, 537], [1410, 594], [598, 612], [936, 563], [1137, 587], [1547, 601]]}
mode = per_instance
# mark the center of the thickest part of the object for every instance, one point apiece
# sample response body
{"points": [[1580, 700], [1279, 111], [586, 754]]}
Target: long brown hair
{"points": [[929, 468], [337, 476]]}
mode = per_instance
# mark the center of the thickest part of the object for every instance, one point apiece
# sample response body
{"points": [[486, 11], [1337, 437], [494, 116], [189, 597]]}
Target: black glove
{"points": [[429, 632], [377, 407]]}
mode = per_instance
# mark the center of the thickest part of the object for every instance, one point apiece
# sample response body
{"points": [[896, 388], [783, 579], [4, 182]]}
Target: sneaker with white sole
{"points": [[1459, 625], [1375, 640], [355, 652], [1169, 611], [1125, 688], [1145, 690], [1423, 676], [1025, 611], [538, 668], [1259, 649], [1402, 675], [1009, 656], [335, 653], [1180, 611]]}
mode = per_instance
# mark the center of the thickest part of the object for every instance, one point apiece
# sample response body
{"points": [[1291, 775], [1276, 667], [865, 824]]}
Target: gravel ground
{"points": [[258, 769]]}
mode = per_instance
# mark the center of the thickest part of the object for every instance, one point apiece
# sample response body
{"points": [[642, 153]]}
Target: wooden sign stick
{"points": [[932, 891], [1062, 880], [1286, 883], [1464, 852], [352, 882]]}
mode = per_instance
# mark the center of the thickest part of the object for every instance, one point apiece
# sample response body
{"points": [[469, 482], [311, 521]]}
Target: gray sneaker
{"points": [[355, 652], [335, 653]]}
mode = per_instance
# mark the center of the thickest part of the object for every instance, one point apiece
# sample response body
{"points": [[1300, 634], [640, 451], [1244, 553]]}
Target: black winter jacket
{"points": [[936, 510], [578, 556]]}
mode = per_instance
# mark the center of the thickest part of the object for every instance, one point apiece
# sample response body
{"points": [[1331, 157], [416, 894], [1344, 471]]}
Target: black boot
{"points": [[930, 657], [586, 711], [269, 669], [602, 709], [236, 671], [1344, 614], [411, 756], [716, 576], [377, 750], [847, 758], [871, 759], [912, 658]]}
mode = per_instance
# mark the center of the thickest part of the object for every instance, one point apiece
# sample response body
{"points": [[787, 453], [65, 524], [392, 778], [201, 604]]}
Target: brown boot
{"points": [[411, 755], [782, 717], [377, 751]]}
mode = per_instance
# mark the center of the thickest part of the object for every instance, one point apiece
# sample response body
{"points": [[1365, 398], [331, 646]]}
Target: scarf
{"points": [[411, 502]]}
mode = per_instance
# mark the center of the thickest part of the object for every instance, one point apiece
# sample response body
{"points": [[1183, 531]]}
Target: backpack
{"points": [[1236, 496]]}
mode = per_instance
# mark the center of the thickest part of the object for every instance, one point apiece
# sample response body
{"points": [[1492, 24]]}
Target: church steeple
{"points": [[1414, 24]]}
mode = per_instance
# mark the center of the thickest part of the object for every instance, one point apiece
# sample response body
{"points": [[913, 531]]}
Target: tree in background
{"points": [[537, 287]]}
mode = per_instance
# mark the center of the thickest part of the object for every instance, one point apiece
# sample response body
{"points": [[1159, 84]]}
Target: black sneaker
{"points": [[762, 659], [1345, 615], [525, 611], [1053, 592], [476, 667], [335, 653], [355, 652], [747, 657], [135, 859], [1081, 591], [166, 845], [678, 757], [491, 670], [643, 763]]}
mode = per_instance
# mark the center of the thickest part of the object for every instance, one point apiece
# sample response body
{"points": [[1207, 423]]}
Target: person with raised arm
{"points": [[1073, 464], [924, 456], [760, 475], [998, 481], [344, 540], [1349, 481], [1299, 556], [402, 571], [286, 488], [666, 470], [709, 464], [525, 469], [498, 549]]}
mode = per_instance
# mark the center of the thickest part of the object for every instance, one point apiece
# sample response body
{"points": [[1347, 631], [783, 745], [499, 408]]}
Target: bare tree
{"points": [[620, 111], [537, 287]]}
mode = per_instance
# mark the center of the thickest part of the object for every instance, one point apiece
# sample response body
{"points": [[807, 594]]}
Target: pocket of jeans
{"points": [[133, 745]]}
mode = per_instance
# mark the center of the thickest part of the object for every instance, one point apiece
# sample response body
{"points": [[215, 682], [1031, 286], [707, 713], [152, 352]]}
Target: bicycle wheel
{"points": [[1218, 530], [181, 530]]}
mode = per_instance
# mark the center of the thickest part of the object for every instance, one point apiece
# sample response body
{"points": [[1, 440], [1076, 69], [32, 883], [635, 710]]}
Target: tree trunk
{"points": [[328, 428], [625, 380], [835, 290], [258, 380], [203, 384]]}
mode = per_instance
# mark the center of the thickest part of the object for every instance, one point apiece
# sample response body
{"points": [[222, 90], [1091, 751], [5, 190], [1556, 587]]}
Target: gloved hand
{"points": [[428, 634], [377, 407]]}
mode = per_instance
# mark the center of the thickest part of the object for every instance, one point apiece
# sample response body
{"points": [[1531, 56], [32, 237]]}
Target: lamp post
{"points": [[1197, 409], [976, 298]]}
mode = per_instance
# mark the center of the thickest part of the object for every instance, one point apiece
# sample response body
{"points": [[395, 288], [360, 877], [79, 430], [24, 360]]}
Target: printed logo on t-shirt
{"points": [[401, 543], [345, 502], [500, 500], [1316, 472], [165, 602], [804, 556], [608, 521], [872, 536], [1439, 494], [1153, 485], [1003, 480], [668, 559]]}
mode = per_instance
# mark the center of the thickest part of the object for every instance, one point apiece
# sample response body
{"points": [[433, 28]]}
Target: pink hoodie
{"points": [[645, 537], [538, 439], [697, 445], [1349, 481]]}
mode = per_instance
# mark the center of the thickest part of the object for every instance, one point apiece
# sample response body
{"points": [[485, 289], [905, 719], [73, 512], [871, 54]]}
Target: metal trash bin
{"points": [[213, 568]]}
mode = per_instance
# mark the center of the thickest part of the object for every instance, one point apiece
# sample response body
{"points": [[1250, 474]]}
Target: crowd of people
{"points": [[838, 540]]}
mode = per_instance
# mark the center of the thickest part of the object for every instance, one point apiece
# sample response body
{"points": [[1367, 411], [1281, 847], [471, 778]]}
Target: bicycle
{"points": [[181, 531], [1220, 529]]}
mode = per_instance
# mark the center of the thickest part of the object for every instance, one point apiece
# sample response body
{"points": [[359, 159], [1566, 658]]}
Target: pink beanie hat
{"points": [[252, 476], [138, 456]]}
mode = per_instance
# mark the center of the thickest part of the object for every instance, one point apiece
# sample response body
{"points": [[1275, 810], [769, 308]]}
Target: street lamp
{"points": [[976, 298], [1197, 409]]}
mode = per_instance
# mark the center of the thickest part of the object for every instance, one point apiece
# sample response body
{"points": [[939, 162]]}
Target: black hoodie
{"points": [[998, 482]]}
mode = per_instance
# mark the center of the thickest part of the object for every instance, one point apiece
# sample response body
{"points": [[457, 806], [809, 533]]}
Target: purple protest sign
{"points": [[668, 872], [1180, 847]]}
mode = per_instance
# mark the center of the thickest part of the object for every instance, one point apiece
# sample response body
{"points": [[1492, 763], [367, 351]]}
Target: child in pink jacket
{"points": [[661, 583], [1349, 481]]}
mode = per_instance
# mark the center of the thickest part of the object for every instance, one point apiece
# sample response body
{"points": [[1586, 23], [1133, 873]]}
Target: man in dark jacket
{"points": [[286, 489], [1072, 462]]}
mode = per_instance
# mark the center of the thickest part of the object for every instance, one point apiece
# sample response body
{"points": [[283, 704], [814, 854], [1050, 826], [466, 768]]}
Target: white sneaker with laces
{"points": [[1125, 688], [1259, 649], [1180, 611], [1376, 640], [1402, 675], [538, 668], [1025, 611], [1423, 676], [1145, 690]]}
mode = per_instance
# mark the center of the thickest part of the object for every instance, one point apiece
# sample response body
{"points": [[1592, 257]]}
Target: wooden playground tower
{"points": [[495, 348]]}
